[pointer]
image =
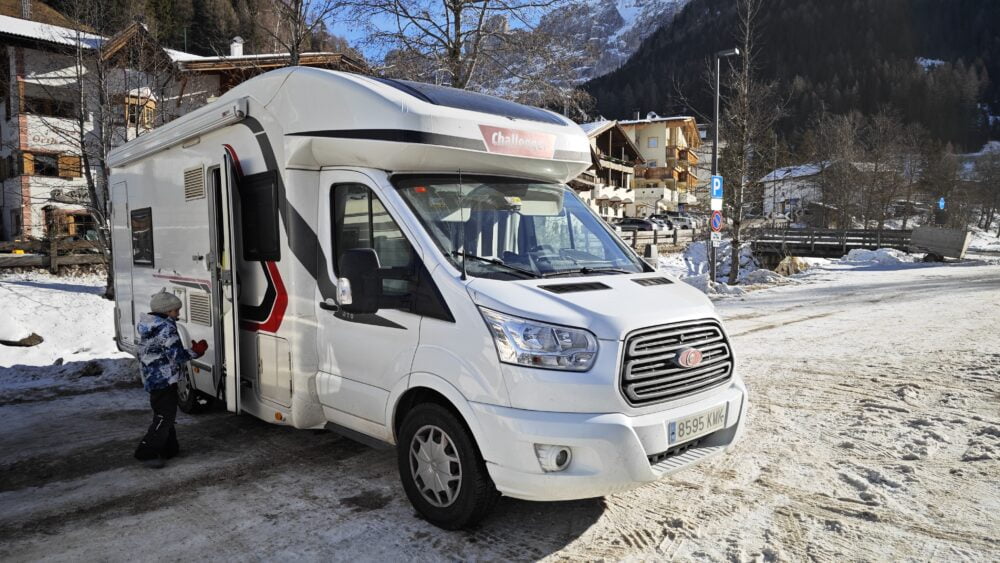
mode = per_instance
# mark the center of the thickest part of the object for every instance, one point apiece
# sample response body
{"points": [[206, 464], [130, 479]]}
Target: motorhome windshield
{"points": [[514, 229]]}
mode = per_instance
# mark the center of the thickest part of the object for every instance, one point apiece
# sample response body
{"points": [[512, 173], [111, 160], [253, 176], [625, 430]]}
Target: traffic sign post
{"points": [[716, 194], [716, 221], [716, 187]]}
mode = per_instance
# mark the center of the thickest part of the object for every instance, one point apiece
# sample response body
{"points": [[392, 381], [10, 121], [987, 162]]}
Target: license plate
{"points": [[691, 427]]}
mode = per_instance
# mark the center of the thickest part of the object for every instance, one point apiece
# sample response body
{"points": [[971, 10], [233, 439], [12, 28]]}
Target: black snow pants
{"points": [[161, 438]]}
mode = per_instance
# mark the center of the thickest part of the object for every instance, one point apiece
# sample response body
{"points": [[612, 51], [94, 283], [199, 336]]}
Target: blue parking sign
{"points": [[941, 203], [716, 186]]}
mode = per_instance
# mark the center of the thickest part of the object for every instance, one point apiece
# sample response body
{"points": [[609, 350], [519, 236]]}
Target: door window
{"points": [[361, 221]]}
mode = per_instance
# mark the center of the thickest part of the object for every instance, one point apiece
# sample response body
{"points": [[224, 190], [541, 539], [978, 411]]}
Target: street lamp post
{"points": [[715, 141]]}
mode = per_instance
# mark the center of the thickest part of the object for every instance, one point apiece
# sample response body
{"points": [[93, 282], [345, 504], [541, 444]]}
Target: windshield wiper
{"points": [[497, 262], [585, 270]]}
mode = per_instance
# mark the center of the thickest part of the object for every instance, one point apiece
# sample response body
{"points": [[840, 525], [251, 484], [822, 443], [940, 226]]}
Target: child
{"points": [[161, 359]]}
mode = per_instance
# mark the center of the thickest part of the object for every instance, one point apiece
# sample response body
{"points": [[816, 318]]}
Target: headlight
{"points": [[541, 345]]}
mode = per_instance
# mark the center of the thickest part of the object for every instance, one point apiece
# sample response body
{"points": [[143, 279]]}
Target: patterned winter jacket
{"points": [[161, 353]]}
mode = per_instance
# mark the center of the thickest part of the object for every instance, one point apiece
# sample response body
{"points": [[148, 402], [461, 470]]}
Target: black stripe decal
{"points": [[301, 238], [259, 313], [399, 136]]}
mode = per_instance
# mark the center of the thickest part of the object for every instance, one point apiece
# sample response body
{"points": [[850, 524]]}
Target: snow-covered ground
{"points": [[873, 434]]}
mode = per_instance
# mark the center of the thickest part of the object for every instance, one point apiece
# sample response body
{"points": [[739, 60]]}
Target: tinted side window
{"points": [[142, 236], [361, 221], [259, 216]]}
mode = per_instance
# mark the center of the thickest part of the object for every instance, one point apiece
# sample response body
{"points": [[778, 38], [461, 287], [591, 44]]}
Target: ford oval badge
{"points": [[688, 358]]}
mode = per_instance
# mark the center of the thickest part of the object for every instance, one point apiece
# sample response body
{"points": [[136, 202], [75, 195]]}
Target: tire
{"points": [[464, 500], [189, 399]]}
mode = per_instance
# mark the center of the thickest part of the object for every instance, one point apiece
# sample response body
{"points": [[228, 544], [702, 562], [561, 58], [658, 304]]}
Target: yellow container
{"points": [[18, 251]]}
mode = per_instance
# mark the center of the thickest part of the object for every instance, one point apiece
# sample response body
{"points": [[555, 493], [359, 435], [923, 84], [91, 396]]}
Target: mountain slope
{"points": [[834, 56], [607, 31]]}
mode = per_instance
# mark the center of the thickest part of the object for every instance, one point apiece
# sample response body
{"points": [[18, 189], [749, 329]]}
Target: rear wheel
{"points": [[442, 471], [189, 399]]}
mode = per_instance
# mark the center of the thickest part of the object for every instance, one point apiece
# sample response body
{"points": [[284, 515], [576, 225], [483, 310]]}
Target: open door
{"points": [[227, 355]]}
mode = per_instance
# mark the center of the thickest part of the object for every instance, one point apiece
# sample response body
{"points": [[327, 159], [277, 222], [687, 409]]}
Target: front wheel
{"points": [[442, 471]]}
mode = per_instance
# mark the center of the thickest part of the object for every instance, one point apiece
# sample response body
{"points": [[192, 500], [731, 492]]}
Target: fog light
{"points": [[553, 458]]}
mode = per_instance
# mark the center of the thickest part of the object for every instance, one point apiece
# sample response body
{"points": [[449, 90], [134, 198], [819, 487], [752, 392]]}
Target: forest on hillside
{"points": [[936, 63]]}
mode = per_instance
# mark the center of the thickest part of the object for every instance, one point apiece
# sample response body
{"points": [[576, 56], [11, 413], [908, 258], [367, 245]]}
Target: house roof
{"points": [[46, 33], [597, 128], [688, 123], [792, 172], [268, 61]]}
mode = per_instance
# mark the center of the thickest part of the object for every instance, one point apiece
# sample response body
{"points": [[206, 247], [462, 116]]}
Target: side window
{"points": [[142, 236], [361, 221], [259, 217]]}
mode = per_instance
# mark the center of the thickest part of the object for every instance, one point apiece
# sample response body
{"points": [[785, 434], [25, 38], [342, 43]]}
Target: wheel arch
{"points": [[430, 388]]}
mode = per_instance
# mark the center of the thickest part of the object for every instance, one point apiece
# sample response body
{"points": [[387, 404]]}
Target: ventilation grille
{"points": [[650, 372], [574, 287], [652, 281], [200, 308], [194, 184]]}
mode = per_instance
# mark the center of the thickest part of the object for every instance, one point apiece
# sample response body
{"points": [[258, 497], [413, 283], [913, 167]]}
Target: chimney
{"points": [[635, 116], [236, 47], [25, 9]]}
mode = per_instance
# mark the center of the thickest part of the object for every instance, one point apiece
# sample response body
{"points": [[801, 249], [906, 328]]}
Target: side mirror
{"points": [[359, 287]]}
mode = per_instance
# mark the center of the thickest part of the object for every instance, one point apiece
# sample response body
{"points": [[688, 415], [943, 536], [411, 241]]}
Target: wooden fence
{"points": [[826, 243], [50, 254], [638, 239]]}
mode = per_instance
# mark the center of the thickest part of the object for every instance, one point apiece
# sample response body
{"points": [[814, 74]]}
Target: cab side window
{"points": [[361, 221]]}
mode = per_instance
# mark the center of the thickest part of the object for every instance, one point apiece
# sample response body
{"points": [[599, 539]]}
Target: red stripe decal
{"points": [[236, 159], [273, 321]]}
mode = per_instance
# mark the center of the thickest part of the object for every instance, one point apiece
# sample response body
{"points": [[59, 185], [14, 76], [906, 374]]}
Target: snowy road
{"points": [[874, 434]]}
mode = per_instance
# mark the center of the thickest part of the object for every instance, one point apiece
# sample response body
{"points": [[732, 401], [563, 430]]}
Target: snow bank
{"points": [[11, 330], [983, 241], [69, 313], [881, 256]]}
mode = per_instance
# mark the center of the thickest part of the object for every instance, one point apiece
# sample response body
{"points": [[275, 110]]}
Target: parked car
{"points": [[631, 223], [677, 219]]}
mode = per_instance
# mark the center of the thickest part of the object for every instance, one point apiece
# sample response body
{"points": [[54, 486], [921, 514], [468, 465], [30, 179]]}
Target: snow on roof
{"points": [[252, 57], [47, 32], [594, 126], [66, 36], [790, 172], [653, 118], [928, 64]]}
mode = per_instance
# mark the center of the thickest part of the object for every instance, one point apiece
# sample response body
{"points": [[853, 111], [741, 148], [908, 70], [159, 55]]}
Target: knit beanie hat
{"points": [[163, 302]]}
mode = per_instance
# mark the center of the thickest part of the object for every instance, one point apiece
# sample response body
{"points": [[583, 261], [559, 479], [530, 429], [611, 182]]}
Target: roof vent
{"points": [[574, 287], [652, 115]]}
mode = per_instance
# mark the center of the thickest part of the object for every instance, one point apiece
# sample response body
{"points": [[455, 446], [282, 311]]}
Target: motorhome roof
{"points": [[323, 117]]}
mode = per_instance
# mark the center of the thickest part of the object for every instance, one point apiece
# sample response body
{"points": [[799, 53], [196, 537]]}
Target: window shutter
{"points": [[69, 166], [28, 164]]}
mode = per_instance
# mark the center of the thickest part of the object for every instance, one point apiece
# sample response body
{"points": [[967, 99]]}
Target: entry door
{"points": [[121, 244], [225, 285], [361, 357]]}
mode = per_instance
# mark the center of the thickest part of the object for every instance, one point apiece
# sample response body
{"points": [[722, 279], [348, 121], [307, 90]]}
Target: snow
{"points": [[11, 330], [692, 267], [881, 256], [47, 32], [790, 172], [928, 64], [67, 312], [983, 241], [593, 126], [861, 444]]}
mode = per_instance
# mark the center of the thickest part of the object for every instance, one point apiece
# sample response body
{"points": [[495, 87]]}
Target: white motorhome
{"points": [[403, 264]]}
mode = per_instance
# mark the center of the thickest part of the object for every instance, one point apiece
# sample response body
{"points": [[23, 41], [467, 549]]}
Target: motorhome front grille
{"points": [[574, 287], [200, 308], [650, 369], [194, 184], [652, 281]]}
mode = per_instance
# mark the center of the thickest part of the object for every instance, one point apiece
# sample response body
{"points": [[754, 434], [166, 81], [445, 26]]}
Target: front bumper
{"points": [[610, 451]]}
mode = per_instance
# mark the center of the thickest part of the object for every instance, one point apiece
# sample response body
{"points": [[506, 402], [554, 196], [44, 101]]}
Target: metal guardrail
{"points": [[827, 243]]}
